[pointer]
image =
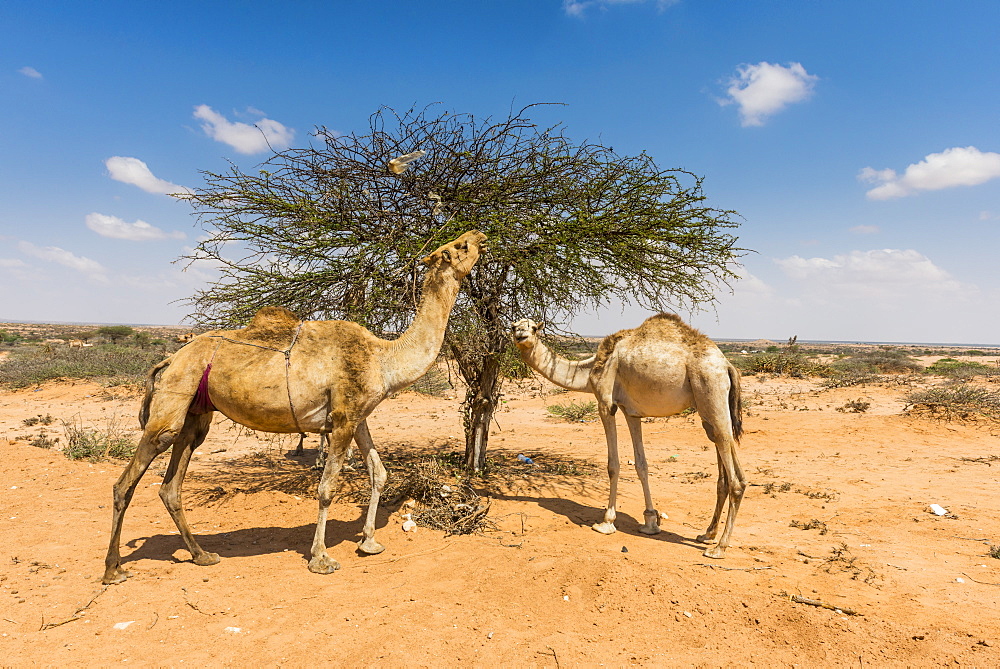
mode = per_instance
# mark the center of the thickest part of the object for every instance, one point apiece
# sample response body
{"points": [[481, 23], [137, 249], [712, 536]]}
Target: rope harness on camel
{"points": [[202, 402]]}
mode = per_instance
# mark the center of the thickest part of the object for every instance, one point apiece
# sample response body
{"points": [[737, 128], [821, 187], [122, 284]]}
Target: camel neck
{"points": [[570, 374], [416, 349]]}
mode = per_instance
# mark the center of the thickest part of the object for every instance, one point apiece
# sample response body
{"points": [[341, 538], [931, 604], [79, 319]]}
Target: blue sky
{"points": [[858, 140]]}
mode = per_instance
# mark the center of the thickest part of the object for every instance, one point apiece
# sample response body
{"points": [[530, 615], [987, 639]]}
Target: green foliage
{"points": [[28, 366], [142, 339], [574, 412], [115, 332], [9, 337], [434, 383], [93, 444], [884, 359], [961, 369], [959, 401], [789, 360], [848, 379], [329, 232]]}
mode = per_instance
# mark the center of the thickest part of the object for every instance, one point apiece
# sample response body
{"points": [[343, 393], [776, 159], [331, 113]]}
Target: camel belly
{"points": [[645, 391], [258, 397]]}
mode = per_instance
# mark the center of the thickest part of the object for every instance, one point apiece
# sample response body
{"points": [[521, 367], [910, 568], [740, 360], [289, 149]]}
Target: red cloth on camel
{"points": [[202, 403]]}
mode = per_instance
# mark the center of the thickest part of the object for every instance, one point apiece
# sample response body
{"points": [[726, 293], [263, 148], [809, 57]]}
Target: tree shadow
{"points": [[585, 516]]}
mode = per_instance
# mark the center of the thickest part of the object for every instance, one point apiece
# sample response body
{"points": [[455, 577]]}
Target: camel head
{"points": [[526, 332], [458, 256]]}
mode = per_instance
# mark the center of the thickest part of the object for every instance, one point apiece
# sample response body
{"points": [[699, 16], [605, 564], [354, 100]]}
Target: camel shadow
{"points": [[248, 542], [585, 516]]}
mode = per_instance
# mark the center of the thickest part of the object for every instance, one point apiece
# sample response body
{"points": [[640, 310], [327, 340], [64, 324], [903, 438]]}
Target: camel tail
{"points": [[735, 403], [148, 399]]}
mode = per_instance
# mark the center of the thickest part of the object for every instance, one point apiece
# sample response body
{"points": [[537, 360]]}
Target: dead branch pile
{"points": [[443, 498]]}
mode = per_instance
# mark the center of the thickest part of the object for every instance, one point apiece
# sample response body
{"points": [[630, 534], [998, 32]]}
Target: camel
{"points": [[283, 375], [660, 368]]}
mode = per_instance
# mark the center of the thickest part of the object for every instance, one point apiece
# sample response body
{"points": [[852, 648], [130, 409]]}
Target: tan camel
{"points": [[283, 375], [660, 368]]}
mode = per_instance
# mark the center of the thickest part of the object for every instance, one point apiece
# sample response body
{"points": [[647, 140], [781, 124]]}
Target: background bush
{"points": [[961, 369], [958, 401], [32, 365]]}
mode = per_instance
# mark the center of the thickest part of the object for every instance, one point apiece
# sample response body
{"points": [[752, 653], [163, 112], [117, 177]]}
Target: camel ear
{"points": [[539, 325], [429, 260], [446, 254]]}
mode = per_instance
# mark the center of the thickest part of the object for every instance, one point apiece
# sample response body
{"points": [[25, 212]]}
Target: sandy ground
{"points": [[544, 591]]}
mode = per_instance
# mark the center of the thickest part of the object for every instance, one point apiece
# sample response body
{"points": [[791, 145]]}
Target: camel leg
{"points": [[324, 446], [154, 441], [737, 485], [377, 476], [191, 437], [721, 495], [607, 526], [731, 482], [338, 442], [298, 449], [651, 518]]}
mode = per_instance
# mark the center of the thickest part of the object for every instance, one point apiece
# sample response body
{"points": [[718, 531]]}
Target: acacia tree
{"points": [[329, 231]]}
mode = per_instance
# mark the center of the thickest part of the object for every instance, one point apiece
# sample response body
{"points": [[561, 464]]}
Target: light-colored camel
{"points": [[660, 368], [283, 375]]}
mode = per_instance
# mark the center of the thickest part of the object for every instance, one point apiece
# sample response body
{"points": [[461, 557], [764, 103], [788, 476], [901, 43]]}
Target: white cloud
{"points": [[262, 136], [764, 89], [91, 268], [865, 229], [875, 273], [579, 7], [957, 166], [30, 72], [116, 228], [134, 171], [12, 263]]}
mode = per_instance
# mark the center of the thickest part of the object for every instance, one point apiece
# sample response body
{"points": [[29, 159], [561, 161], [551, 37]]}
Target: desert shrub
{"points": [[574, 412], [434, 383], [93, 444], [995, 552], [32, 365], [855, 406], [115, 332], [43, 440], [959, 401], [848, 379], [961, 369], [884, 359], [789, 360], [10, 337], [47, 419]]}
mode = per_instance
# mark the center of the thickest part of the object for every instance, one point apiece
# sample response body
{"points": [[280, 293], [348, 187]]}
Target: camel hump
{"points": [[271, 326], [671, 327]]}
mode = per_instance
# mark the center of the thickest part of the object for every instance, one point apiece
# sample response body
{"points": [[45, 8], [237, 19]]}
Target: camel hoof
{"points": [[705, 538], [650, 528], [715, 552], [206, 559], [323, 565], [370, 547], [118, 575], [604, 528]]}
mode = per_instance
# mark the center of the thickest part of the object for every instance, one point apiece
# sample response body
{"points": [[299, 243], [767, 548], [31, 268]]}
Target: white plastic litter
{"points": [[121, 626], [409, 526], [938, 510]]}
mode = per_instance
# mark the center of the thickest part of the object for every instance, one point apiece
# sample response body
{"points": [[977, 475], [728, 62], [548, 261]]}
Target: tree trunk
{"points": [[480, 404]]}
